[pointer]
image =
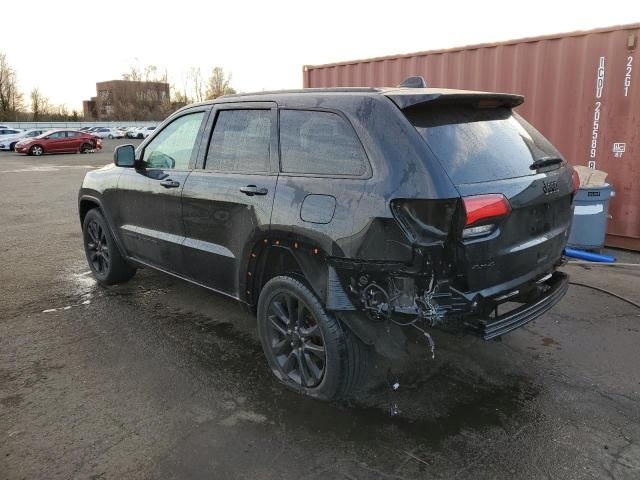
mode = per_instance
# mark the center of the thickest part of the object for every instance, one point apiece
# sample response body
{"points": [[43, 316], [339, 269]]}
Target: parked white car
{"points": [[8, 142], [142, 132], [129, 130], [106, 132], [5, 131], [132, 132]]}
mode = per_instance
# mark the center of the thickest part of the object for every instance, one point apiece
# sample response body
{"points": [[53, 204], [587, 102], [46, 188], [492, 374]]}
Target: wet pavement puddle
{"points": [[432, 404]]}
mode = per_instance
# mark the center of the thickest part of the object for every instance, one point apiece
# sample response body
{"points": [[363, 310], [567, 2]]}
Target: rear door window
{"points": [[240, 141], [322, 143], [480, 145]]}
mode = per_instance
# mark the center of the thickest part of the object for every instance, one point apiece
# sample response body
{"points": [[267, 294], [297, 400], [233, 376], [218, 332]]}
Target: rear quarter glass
{"points": [[480, 145]]}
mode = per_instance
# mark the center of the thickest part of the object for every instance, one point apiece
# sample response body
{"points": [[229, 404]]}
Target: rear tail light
{"points": [[483, 212], [575, 178]]}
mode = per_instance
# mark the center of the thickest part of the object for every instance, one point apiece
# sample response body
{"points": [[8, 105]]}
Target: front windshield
{"points": [[44, 134]]}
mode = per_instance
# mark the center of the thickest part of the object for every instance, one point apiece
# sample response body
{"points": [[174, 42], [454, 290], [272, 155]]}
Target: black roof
{"points": [[401, 96]]}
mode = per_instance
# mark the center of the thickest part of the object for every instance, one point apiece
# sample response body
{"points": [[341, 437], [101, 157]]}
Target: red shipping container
{"points": [[582, 91]]}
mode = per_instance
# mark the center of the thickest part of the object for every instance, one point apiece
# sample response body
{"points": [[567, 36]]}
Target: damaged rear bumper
{"points": [[555, 288]]}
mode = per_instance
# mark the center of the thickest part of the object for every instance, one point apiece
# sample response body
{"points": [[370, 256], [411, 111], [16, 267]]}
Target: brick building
{"points": [[128, 100]]}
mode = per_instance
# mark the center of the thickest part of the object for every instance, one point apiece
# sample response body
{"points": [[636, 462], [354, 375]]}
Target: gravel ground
{"points": [[162, 379]]}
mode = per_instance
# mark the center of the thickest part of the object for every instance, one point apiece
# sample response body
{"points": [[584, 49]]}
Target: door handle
{"points": [[168, 183], [252, 190]]}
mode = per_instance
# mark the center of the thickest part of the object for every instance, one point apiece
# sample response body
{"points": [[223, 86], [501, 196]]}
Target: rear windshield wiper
{"points": [[544, 162]]}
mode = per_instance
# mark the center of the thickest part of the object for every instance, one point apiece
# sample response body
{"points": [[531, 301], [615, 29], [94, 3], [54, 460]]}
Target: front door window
{"points": [[173, 147]]}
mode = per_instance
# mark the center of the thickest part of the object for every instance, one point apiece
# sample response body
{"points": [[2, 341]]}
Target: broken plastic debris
{"points": [[394, 409], [395, 386], [49, 310], [432, 345], [86, 302]]}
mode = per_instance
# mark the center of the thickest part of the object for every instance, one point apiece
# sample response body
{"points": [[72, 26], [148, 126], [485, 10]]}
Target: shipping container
{"points": [[581, 90]]}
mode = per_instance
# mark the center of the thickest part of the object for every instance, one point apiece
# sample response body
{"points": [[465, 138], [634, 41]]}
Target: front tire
{"points": [[86, 147], [307, 348], [36, 150], [103, 256]]}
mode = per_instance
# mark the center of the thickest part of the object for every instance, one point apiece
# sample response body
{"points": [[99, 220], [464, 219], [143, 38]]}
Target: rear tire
{"points": [[103, 256], [36, 150], [307, 348]]}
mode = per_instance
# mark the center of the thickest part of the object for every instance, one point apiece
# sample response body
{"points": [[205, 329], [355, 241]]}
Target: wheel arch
{"points": [[87, 203], [271, 256]]}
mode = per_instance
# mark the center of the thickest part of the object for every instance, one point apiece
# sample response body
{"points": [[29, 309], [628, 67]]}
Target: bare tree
{"points": [[218, 84], [179, 97], [143, 98], [11, 101], [197, 83], [63, 111], [145, 73], [39, 104]]}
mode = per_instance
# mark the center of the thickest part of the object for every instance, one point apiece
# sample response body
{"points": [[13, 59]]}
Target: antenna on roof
{"points": [[416, 81]]}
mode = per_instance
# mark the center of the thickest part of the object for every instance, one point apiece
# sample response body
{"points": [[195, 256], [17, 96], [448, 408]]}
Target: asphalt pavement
{"points": [[162, 379]]}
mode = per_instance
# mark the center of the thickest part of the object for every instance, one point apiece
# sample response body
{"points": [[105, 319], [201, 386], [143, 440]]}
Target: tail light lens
{"points": [[482, 213], [575, 178]]}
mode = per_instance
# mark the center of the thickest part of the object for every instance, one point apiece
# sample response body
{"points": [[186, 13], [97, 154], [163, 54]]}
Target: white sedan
{"points": [[6, 131], [8, 142], [142, 132], [106, 132]]}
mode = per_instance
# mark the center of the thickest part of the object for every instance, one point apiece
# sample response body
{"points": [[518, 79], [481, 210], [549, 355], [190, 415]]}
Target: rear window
{"points": [[320, 143], [480, 145]]}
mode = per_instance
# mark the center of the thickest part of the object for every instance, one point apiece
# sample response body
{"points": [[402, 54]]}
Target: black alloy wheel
{"points": [[308, 348], [296, 340], [98, 248], [105, 260]]}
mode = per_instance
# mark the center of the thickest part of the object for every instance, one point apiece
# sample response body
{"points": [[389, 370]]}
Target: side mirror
{"points": [[125, 156]]}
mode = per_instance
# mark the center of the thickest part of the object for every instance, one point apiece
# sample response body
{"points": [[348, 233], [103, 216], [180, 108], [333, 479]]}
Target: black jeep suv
{"points": [[340, 214]]}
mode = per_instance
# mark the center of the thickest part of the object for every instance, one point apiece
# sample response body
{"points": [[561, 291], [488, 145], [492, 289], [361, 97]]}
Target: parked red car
{"points": [[59, 141]]}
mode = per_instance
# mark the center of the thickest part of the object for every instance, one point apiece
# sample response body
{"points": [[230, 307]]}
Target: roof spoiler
{"points": [[407, 98]]}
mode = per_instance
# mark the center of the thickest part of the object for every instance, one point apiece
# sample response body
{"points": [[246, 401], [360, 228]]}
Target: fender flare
{"points": [[97, 201]]}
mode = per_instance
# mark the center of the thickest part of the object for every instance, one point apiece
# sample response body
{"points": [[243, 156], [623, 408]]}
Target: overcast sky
{"points": [[64, 47]]}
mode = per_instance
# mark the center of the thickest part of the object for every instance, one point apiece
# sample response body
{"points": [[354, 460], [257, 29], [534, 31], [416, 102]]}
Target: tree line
{"points": [[136, 100]]}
